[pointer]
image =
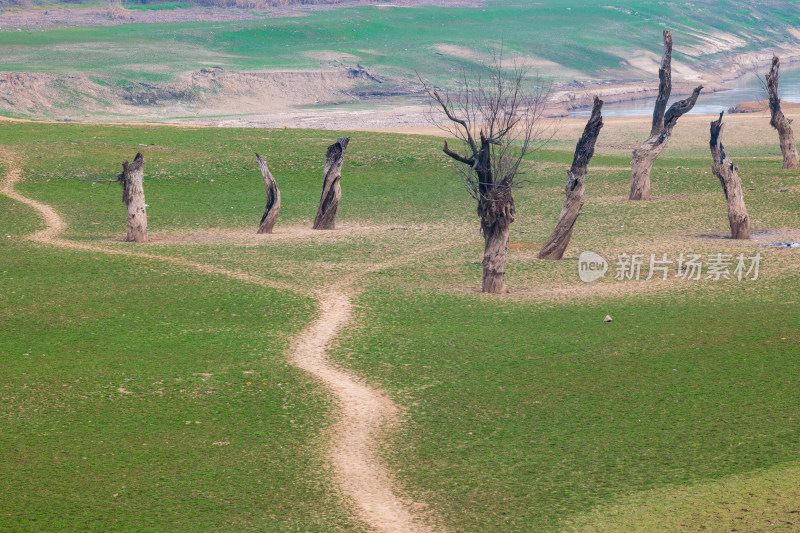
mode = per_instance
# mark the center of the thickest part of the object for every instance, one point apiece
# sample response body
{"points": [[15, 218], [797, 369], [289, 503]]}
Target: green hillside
{"points": [[581, 36]]}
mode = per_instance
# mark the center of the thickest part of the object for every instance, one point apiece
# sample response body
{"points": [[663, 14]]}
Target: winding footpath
{"points": [[364, 411]]}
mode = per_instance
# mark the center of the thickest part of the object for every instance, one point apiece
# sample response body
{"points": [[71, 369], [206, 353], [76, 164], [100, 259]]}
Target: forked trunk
{"points": [[496, 209], [575, 190], [778, 120], [645, 155], [728, 175], [331, 188], [273, 206], [132, 179]]}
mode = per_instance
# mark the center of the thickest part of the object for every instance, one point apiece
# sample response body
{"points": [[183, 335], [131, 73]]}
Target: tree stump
{"points": [[575, 191], [273, 206], [331, 188], [778, 120], [728, 175], [645, 155], [132, 180]]}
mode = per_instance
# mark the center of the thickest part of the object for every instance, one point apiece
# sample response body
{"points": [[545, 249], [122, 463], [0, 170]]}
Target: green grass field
{"points": [[587, 39], [138, 395]]}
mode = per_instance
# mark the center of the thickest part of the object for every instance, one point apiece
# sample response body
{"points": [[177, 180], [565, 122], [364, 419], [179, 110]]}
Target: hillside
{"points": [[147, 62]]}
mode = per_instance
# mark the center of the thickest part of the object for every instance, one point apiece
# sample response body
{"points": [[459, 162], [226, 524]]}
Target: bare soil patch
{"points": [[762, 106], [304, 233], [71, 97], [772, 234]]}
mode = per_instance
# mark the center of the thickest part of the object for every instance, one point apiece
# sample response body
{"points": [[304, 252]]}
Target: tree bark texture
{"points": [[273, 206], [778, 120], [132, 180], [664, 85], [728, 175], [645, 155], [575, 190], [496, 209], [495, 118], [331, 188]]}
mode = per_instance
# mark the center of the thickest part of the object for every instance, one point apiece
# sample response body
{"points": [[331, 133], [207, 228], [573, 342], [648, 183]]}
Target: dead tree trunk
{"points": [[132, 180], [496, 210], [728, 175], [575, 190], [331, 188], [496, 120], [273, 206], [778, 120], [645, 155]]}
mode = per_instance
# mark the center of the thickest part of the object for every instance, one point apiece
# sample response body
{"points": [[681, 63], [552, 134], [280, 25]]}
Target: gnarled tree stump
{"points": [[778, 120], [496, 210], [273, 206], [645, 155], [132, 180], [728, 175], [575, 190], [331, 188]]}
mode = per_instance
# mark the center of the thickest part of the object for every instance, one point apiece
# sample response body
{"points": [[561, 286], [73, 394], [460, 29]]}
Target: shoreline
{"points": [[426, 128]]}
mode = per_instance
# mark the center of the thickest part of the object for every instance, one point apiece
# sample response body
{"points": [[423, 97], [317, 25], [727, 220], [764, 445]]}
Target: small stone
{"points": [[607, 318]]}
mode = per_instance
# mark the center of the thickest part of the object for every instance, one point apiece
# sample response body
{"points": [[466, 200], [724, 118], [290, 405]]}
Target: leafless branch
{"points": [[496, 116]]}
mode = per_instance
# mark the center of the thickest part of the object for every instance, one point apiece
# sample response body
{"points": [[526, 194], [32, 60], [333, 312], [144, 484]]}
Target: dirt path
{"points": [[364, 410], [55, 225]]}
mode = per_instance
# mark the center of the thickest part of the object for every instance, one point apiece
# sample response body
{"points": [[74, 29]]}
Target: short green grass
{"points": [[523, 412], [588, 38], [139, 398], [766, 500]]}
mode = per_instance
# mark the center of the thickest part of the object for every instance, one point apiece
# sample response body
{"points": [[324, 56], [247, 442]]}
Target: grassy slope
{"points": [[78, 454], [524, 413], [530, 428], [579, 35]]}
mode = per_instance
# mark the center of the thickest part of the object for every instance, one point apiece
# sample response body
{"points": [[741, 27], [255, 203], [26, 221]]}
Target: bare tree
{"points": [[778, 120], [728, 175], [575, 191], [496, 120], [645, 155], [331, 188], [132, 180], [273, 206]]}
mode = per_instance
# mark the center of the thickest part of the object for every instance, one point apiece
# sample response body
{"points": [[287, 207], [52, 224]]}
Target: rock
{"points": [[360, 72], [607, 318]]}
